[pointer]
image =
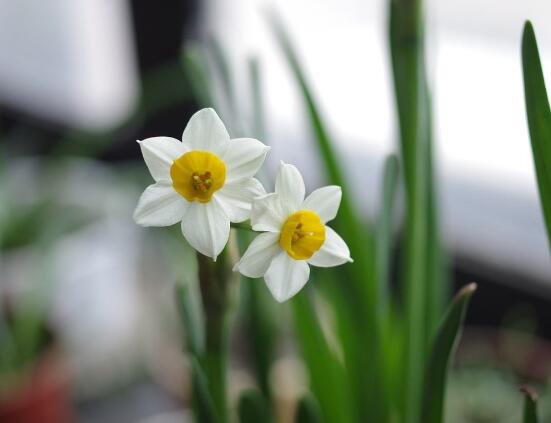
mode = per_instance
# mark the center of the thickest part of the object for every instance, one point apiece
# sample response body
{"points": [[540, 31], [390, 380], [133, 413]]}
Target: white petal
{"points": [[206, 132], [244, 158], [160, 205], [290, 187], [285, 276], [333, 252], [259, 255], [267, 213], [159, 153], [237, 198], [206, 227], [324, 201]]}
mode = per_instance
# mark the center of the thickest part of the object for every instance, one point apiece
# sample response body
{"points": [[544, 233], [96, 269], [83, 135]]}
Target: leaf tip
{"points": [[529, 392], [528, 35], [466, 291]]}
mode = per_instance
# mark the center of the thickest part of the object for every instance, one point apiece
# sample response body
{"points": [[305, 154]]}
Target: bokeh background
{"points": [[81, 81]]}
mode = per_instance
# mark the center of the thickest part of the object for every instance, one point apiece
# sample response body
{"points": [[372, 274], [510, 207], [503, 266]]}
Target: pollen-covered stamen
{"points": [[202, 181]]}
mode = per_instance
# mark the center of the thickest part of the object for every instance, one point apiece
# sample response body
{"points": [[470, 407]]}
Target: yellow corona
{"points": [[197, 175], [302, 234]]}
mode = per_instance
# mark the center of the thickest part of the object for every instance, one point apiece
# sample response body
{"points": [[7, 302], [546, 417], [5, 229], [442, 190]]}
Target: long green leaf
{"points": [[360, 290], [260, 321], [328, 378], [443, 349], [190, 313], [205, 411], [308, 410], [530, 414], [253, 407], [384, 230], [406, 46], [539, 119]]}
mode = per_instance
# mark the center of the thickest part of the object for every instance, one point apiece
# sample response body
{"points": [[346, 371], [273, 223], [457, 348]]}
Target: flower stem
{"points": [[215, 279], [243, 225]]}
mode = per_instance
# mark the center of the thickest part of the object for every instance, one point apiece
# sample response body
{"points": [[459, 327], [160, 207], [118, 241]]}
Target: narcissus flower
{"points": [[204, 181], [296, 234]]}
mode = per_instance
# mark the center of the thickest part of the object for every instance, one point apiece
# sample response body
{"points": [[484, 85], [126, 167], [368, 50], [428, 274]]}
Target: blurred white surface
{"points": [[486, 179], [70, 61]]}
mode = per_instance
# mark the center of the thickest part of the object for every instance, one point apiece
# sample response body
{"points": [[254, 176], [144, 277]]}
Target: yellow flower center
{"points": [[197, 175], [302, 234]]}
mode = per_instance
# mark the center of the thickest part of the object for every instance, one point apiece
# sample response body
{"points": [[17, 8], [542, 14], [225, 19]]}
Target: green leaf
{"points": [[384, 230], [539, 119], [190, 313], [260, 322], [443, 349], [257, 103], [328, 378], [308, 410], [204, 409], [253, 407], [197, 73], [361, 291], [223, 69], [530, 404], [413, 105]]}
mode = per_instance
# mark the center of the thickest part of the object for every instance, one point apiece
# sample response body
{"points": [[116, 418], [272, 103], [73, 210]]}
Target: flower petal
{"points": [[160, 205], [267, 213], [285, 276], [244, 158], [324, 201], [290, 187], [206, 132], [159, 153], [206, 227], [237, 198], [333, 252], [259, 255]]}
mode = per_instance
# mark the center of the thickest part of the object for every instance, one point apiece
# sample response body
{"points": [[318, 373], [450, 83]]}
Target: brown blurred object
{"points": [[41, 397]]}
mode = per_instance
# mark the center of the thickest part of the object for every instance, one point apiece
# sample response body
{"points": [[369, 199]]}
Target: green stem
{"points": [[246, 226], [215, 278]]}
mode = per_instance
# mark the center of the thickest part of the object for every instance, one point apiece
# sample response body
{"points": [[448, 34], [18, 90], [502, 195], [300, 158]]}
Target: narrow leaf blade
{"points": [[328, 377], [308, 410], [443, 349], [539, 119], [204, 404], [253, 407]]}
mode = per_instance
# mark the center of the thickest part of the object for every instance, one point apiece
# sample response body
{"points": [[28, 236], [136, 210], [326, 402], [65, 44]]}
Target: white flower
{"points": [[205, 181], [296, 235]]}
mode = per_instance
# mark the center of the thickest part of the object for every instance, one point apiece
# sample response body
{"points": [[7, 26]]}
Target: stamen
{"points": [[201, 181], [299, 234]]}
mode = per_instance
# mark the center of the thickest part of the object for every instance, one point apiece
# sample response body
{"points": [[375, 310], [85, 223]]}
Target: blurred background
{"points": [[81, 81]]}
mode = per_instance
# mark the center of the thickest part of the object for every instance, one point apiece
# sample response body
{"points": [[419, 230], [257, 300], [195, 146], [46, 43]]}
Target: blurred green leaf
{"points": [[260, 321], [223, 69], [443, 349], [360, 290], [308, 410], [539, 119], [253, 407], [412, 100], [328, 379], [257, 103], [530, 404], [384, 230], [204, 409], [198, 75], [190, 313]]}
